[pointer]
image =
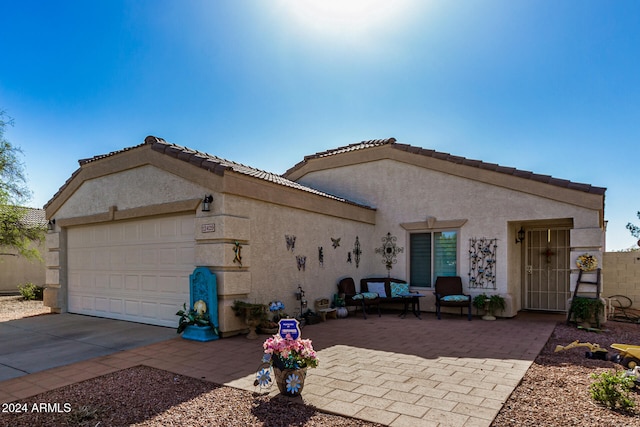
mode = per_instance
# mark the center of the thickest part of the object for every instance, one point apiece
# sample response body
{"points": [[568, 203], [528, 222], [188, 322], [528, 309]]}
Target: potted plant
{"points": [[271, 326], [490, 304], [196, 323], [253, 315], [587, 311], [289, 359]]}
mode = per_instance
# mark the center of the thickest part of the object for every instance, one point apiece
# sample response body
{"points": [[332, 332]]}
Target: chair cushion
{"points": [[455, 298], [378, 288], [398, 289], [365, 295]]}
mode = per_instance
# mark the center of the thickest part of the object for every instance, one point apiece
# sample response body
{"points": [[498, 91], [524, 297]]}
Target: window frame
{"points": [[432, 232]]}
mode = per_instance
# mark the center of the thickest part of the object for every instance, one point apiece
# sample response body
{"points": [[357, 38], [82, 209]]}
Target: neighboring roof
{"points": [[391, 142], [33, 217], [210, 163]]}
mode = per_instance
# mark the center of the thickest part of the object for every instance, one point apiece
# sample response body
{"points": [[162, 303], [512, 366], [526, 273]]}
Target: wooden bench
{"points": [[385, 287]]}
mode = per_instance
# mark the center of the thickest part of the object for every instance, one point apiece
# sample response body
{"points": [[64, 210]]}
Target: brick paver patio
{"points": [[400, 372]]}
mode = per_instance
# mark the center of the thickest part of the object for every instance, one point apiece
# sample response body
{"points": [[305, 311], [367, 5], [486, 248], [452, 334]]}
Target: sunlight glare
{"points": [[351, 19]]}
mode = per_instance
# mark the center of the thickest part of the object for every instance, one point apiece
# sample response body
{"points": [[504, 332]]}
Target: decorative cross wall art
{"points": [[482, 263], [389, 251], [357, 252]]}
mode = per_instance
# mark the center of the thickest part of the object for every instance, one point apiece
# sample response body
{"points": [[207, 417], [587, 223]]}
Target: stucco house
{"points": [[131, 225]]}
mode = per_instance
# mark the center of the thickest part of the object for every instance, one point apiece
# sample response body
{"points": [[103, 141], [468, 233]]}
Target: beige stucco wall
{"points": [[141, 186], [621, 271], [268, 271], [404, 193], [16, 270]]}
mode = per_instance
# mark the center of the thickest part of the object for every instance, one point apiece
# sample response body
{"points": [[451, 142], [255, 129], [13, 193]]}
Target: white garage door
{"points": [[131, 270]]}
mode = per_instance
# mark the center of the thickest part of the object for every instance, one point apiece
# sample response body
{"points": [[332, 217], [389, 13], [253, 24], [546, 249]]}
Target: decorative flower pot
{"points": [[199, 333], [290, 381]]}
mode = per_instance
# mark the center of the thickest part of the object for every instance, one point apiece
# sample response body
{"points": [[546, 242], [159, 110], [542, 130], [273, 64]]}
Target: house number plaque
{"points": [[208, 228]]}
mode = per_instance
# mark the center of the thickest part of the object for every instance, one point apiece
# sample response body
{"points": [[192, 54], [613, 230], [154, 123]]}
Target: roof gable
{"points": [[201, 160], [298, 170]]}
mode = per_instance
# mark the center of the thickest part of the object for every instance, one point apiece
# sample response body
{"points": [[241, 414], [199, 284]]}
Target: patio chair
{"points": [[448, 292], [347, 291]]}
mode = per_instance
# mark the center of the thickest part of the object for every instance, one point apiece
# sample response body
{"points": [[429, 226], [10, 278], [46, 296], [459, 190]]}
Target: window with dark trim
{"points": [[432, 254]]}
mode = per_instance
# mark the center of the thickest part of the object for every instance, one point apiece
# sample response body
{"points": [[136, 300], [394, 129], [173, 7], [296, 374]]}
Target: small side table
{"points": [[414, 300]]}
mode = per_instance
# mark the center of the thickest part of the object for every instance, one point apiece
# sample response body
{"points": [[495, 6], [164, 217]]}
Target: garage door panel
{"points": [[136, 270], [101, 305], [132, 308], [132, 282]]}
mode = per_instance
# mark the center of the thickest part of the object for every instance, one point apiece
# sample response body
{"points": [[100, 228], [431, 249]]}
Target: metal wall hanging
{"points": [[335, 242], [321, 256], [357, 252], [301, 261], [482, 263], [389, 251], [349, 260], [237, 251], [291, 242]]}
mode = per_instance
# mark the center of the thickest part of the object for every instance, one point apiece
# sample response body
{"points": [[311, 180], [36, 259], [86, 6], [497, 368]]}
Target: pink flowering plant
{"points": [[289, 353]]}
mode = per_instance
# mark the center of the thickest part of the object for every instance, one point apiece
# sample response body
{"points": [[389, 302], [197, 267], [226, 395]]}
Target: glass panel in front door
{"points": [[547, 269]]}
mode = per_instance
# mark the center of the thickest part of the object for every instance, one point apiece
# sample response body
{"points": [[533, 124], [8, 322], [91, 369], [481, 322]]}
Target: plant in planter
{"points": [[277, 310], [271, 326], [339, 305], [290, 359], [587, 311], [490, 304], [253, 315], [197, 317]]}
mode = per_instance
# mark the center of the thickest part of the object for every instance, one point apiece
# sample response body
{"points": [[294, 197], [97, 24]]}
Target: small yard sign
{"points": [[289, 326]]}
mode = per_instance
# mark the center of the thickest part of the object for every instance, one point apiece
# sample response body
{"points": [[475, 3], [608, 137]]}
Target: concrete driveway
{"points": [[38, 343]]}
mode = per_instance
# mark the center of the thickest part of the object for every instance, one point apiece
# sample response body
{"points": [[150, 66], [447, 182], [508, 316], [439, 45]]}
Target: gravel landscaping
{"points": [[554, 392]]}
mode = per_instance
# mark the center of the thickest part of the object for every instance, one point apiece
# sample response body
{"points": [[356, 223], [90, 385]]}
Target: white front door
{"points": [[131, 270]]}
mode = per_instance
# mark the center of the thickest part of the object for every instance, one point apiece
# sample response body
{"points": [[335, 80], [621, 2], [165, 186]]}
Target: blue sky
{"points": [[547, 86]]}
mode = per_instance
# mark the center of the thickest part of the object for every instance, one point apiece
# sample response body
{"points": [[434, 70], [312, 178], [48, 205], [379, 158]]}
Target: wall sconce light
{"points": [[520, 237], [206, 203], [51, 225]]}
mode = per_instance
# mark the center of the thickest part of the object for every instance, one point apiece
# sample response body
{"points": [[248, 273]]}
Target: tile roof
{"points": [[216, 165], [33, 217], [391, 142]]}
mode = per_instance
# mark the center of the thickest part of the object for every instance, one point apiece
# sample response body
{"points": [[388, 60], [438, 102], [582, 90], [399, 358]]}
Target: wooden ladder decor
{"points": [[579, 282]]}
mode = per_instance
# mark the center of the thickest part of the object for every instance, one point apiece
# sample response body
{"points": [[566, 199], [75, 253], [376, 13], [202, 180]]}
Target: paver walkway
{"points": [[400, 372]]}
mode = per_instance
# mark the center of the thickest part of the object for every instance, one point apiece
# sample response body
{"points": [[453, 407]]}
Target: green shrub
{"points": [[613, 389], [29, 291]]}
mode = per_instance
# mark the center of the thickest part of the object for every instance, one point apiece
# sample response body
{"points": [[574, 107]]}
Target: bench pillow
{"points": [[398, 289], [365, 295], [455, 298], [378, 288]]}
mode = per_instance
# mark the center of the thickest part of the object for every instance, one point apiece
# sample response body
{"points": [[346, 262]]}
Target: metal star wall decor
{"points": [[335, 242], [389, 251]]}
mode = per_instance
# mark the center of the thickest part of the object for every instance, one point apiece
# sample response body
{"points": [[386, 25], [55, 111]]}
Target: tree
{"points": [[16, 232], [634, 229]]}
